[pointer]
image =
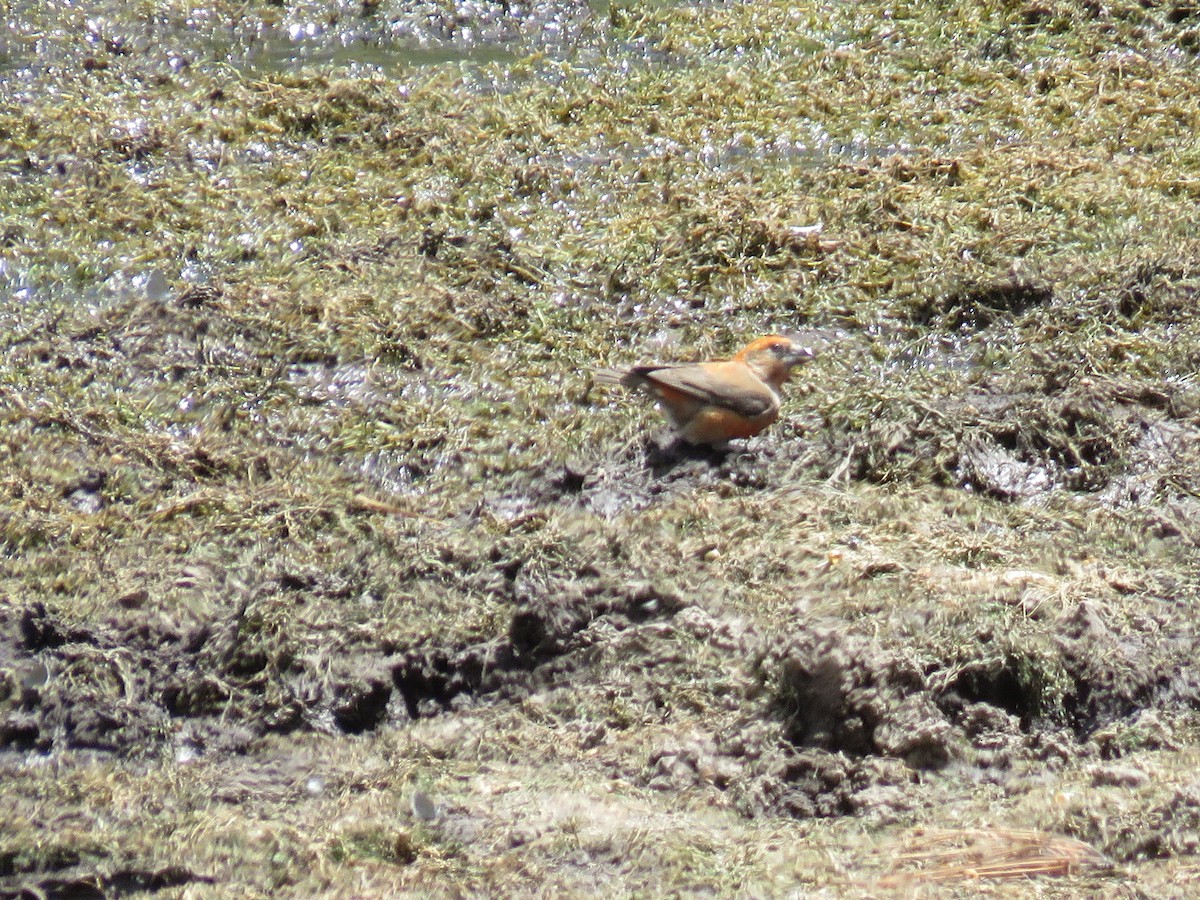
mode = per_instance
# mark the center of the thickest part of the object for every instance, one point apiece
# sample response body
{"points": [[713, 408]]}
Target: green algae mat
{"points": [[328, 569]]}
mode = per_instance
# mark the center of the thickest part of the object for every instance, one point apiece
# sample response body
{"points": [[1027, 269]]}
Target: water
{"points": [[41, 37]]}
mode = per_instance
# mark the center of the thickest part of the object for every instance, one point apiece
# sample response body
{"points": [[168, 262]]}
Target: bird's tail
{"points": [[629, 378]]}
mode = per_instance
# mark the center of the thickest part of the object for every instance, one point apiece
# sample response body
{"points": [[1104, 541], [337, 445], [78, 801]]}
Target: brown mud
{"points": [[814, 714]]}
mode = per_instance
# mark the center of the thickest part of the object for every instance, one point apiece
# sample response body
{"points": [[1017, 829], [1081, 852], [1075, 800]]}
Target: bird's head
{"points": [[773, 357]]}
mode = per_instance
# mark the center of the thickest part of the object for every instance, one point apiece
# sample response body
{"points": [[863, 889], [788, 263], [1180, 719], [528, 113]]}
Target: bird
{"points": [[712, 403]]}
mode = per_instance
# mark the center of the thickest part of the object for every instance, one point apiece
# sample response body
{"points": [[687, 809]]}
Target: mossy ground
{"points": [[309, 503]]}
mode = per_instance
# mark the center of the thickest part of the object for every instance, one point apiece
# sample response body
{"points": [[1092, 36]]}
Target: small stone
{"points": [[423, 806]]}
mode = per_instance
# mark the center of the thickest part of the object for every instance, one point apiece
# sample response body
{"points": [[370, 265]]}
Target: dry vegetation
{"points": [[327, 570]]}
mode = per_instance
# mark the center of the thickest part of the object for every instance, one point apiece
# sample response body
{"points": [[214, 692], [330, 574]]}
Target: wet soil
{"points": [[807, 714]]}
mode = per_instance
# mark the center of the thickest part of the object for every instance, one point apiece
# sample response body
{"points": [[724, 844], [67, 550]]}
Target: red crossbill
{"points": [[715, 402]]}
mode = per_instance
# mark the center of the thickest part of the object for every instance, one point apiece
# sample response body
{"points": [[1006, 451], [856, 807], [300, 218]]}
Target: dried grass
{"points": [[992, 853]]}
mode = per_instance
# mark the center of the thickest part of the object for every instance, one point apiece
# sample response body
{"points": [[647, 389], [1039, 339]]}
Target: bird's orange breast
{"points": [[715, 425]]}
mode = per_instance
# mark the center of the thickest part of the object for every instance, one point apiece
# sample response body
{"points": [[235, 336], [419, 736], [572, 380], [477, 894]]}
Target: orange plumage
{"points": [[715, 402]]}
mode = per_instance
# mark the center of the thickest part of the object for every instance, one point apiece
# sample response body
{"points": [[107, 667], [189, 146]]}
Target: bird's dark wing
{"points": [[730, 385]]}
